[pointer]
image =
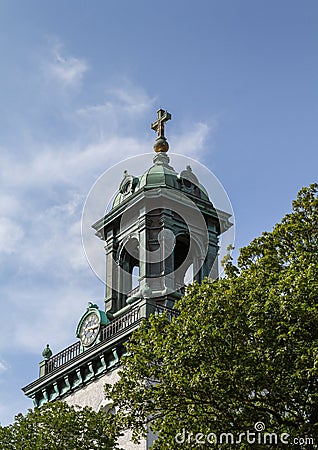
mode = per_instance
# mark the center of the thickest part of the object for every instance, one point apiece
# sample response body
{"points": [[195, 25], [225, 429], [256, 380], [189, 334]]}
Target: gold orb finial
{"points": [[161, 145]]}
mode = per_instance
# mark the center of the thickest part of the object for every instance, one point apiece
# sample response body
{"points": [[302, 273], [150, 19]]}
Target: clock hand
{"points": [[92, 328]]}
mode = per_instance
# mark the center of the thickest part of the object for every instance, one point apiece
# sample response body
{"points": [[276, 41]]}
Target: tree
{"points": [[241, 356], [58, 426]]}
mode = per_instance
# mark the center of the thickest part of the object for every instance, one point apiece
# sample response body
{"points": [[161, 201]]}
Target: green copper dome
{"points": [[161, 174], [127, 187]]}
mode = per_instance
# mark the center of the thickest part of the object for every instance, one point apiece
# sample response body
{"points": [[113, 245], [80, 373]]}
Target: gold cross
{"points": [[159, 124]]}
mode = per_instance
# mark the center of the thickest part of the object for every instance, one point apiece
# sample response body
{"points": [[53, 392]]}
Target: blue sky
{"points": [[80, 84]]}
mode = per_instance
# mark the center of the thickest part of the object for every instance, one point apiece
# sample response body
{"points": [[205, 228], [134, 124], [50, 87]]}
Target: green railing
{"points": [[120, 324]]}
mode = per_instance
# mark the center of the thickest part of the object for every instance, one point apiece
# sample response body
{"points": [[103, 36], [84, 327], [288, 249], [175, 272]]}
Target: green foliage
{"points": [[243, 350], [58, 426]]}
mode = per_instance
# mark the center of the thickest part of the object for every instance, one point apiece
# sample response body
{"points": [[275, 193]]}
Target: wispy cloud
{"points": [[10, 235], [192, 142], [4, 366], [67, 70], [122, 108]]}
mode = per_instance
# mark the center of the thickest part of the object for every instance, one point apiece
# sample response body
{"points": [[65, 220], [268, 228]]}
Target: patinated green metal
{"points": [[47, 352], [92, 309], [71, 369]]}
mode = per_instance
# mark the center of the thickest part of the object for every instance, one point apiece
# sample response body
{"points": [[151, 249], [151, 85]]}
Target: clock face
{"points": [[89, 329]]}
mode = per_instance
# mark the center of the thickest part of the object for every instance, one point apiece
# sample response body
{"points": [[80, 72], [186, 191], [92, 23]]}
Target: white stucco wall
{"points": [[93, 395]]}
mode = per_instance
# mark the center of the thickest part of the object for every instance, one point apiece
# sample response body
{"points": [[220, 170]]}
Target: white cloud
{"points": [[9, 204], [124, 105], [67, 70], [56, 322], [4, 366], [10, 235], [74, 166], [132, 99], [193, 141], [125, 99]]}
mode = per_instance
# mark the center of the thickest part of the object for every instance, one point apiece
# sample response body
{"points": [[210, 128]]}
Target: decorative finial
{"points": [[47, 353], [91, 305], [161, 143]]}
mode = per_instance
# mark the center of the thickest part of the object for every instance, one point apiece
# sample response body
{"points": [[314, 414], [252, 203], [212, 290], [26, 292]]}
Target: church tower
{"points": [[161, 227]]}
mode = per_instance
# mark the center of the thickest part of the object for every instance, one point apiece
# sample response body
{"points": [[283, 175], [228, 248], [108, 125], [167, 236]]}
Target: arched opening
{"points": [[188, 261], [188, 276], [181, 260], [135, 277], [129, 262], [181, 250]]}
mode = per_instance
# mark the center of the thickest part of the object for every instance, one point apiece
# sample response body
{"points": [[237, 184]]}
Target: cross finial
{"points": [[159, 124]]}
